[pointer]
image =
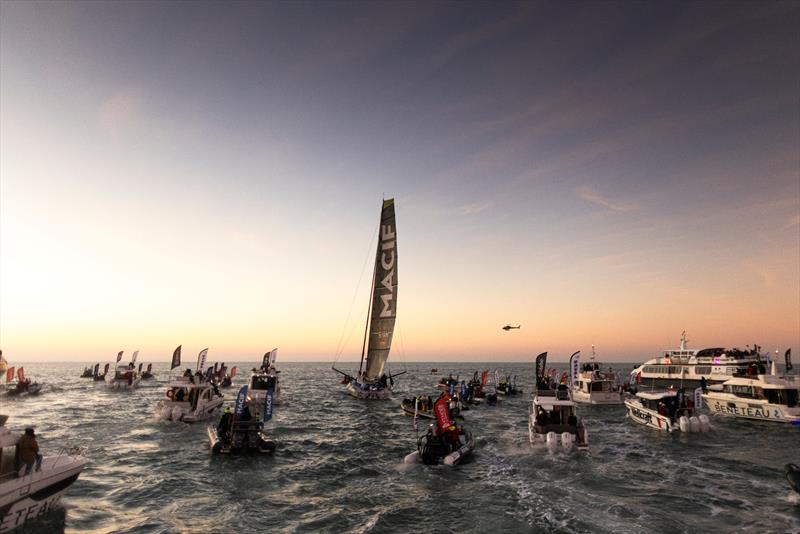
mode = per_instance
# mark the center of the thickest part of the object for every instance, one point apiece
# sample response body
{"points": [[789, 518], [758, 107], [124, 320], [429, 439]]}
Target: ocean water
{"points": [[339, 466]]}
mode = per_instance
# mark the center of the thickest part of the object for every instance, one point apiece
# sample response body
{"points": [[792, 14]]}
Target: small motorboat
{"points": [[552, 418], [242, 438], [24, 386], [97, 377], [420, 406], [592, 385], [188, 401], [125, 378], [147, 374], [26, 496], [261, 381], [223, 377], [793, 476], [477, 385], [507, 386], [445, 441], [87, 372], [434, 370], [668, 410], [238, 432]]}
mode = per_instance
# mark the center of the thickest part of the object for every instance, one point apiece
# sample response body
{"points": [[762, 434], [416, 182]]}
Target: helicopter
{"points": [[509, 327]]}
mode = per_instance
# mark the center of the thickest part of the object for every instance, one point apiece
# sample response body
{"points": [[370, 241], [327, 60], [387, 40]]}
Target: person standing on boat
{"points": [[29, 451], [225, 424]]}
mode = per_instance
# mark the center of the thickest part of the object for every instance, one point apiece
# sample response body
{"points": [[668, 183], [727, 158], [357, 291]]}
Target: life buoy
{"points": [[170, 394]]}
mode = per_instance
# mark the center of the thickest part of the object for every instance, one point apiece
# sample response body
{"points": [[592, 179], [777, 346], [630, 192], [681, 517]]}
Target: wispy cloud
{"points": [[471, 209], [590, 195], [119, 110], [794, 221]]}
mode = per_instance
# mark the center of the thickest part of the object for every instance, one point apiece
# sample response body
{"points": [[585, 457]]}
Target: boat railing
{"points": [[69, 452]]}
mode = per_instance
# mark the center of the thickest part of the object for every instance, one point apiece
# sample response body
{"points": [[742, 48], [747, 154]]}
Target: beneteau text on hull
{"points": [[757, 396]]}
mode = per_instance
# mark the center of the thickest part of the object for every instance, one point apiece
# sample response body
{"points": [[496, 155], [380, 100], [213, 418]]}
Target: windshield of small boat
{"points": [[262, 382], [787, 397]]}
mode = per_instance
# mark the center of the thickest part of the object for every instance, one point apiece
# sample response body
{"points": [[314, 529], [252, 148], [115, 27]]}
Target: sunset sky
{"points": [[212, 174]]}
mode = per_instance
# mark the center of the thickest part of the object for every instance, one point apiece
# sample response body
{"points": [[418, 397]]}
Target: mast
{"points": [[369, 309]]}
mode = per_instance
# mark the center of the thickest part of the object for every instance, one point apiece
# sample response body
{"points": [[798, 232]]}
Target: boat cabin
{"points": [[182, 389], [261, 381], [125, 372], [772, 393], [9, 452], [554, 411], [672, 404]]}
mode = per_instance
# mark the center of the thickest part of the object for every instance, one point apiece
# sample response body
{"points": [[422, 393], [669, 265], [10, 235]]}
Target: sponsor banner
{"points": [[119, 356], [176, 358], [442, 413], [267, 414], [574, 363], [201, 359], [541, 362], [241, 402]]}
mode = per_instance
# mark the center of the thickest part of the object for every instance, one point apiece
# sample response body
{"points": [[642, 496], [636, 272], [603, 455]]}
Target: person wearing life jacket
{"points": [[451, 436], [224, 424]]}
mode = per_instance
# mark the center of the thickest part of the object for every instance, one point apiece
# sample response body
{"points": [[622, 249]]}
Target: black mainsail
{"points": [[383, 312]]}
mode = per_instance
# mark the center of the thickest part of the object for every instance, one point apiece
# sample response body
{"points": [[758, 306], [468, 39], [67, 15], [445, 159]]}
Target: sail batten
{"points": [[383, 313]]}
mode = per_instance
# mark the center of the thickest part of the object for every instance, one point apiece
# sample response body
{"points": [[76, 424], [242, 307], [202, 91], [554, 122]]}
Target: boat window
{"points": [[743, 391], [791, 397], [598, 386], [787, 397], [260, 382], [8, 462], [702, 370]]}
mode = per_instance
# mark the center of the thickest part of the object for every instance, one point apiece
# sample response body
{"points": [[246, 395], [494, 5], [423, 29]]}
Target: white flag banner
{"points": [[135, 354], [698, 398], [274, 356], [201, 359]]}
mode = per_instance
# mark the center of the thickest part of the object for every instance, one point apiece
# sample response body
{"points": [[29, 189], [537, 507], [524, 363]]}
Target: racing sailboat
{"points": [[371, 382]]}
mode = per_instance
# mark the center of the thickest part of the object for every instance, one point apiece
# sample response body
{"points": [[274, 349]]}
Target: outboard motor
{"points": [[705, 424], [567, 440], [552, 441], [683, 423], [694, 424]]}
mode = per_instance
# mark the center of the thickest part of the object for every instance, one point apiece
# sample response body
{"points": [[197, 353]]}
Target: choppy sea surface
{"points": [[339, 465]]}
